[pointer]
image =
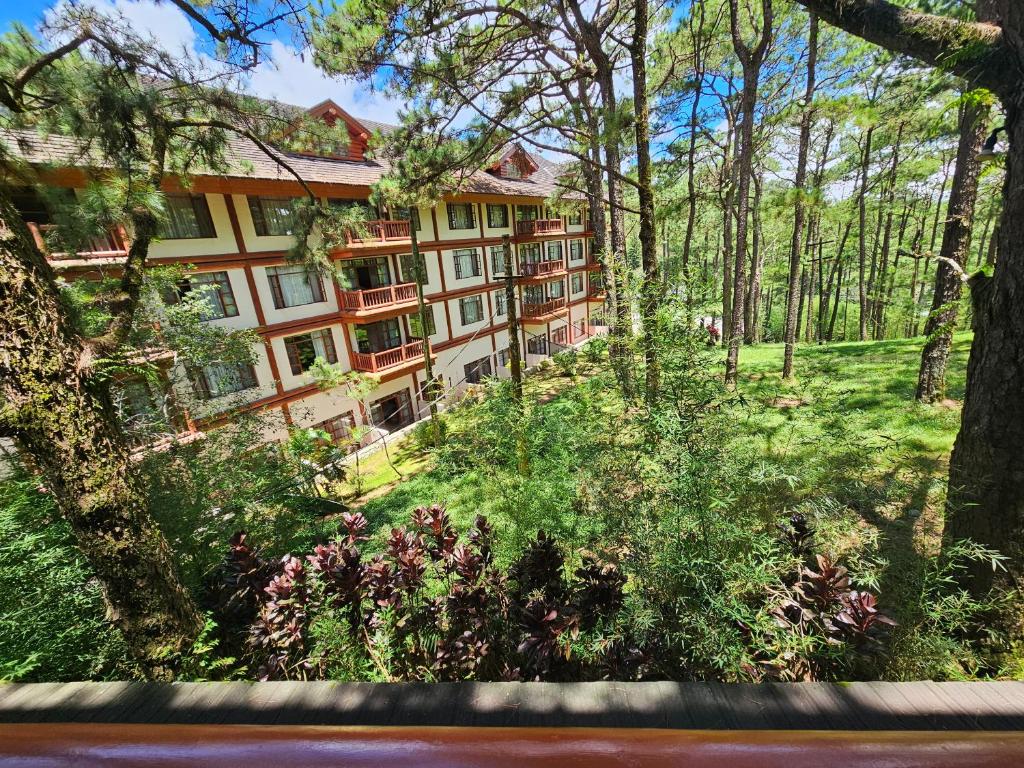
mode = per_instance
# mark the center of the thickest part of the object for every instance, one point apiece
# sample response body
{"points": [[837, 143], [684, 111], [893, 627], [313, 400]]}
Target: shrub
{"points": [[566, 361], [433, 606]]}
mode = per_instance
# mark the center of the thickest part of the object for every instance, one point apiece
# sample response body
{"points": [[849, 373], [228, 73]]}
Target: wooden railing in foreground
{"points": [[923, 706]]}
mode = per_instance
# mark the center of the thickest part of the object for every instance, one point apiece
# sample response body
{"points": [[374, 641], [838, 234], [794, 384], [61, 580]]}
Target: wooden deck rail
{"points": [[920, 706], [381, 230], [377, 298], [539, 310], [373, 362], [541, 268], [539, 227], [110, 245]]}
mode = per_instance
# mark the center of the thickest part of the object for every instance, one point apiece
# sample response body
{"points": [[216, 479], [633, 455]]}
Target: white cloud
{"points": [[285, 75], [295, 79]]}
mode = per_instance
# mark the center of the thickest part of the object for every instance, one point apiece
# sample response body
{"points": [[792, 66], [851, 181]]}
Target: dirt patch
{"points": [[949, 404], [787, 402]]}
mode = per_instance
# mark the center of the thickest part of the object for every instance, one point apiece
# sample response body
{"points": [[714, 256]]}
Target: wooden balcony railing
{"points": [[107, 246], [380, 231], [539, 310], [373, 362], [378, 298], [539, 227], [540, 268]]}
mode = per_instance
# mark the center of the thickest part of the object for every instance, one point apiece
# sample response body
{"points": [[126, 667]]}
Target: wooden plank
{"points": [[715, 706]]}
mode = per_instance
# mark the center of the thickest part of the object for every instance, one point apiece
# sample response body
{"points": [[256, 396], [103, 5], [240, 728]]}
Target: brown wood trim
{"points": [[236, 227]]}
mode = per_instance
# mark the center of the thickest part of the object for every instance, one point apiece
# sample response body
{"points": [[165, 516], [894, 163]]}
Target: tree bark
{"points": [[956, 245], [865, 165], [751, 59], [60, 412]]}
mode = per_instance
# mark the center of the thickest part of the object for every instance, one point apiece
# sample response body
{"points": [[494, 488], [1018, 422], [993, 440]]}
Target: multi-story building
{"points": [[235, 229]]}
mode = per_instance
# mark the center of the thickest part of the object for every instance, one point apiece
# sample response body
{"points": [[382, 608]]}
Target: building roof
{"points": [[245, 160]]}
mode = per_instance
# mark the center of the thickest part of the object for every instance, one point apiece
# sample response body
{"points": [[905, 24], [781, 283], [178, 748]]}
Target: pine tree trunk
{"points": [[956, 244], [60, 412], [862, 212]]}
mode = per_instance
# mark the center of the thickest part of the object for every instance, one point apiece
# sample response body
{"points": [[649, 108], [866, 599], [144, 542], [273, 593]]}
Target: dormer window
{"points": [[516, 163]]}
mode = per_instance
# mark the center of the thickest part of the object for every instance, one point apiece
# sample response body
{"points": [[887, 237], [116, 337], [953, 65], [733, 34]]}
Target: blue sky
{"points": [[288, 77]]}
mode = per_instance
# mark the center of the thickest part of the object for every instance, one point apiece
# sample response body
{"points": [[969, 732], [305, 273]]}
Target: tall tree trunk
{"points": [[752, 320], [650, 288], [60, 412], [697, 36], [751, 60], [789, 335], [862, 212], [956, 245]]}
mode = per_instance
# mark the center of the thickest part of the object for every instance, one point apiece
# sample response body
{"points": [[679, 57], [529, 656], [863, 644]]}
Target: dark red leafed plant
{"points": [[860, 622]]}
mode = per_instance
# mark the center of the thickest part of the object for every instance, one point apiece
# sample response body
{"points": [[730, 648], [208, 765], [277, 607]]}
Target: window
{"points": [[576, 217], [461, 216], [529, 253], [364, 274], [596, 283], [294, 285], [558, 337], [534, 294], [556, 290], [500, 306], [305, 349], [497, 260], [467, 263], [339, 428], [471, 309], [409, 269], [577, 283], [497, 215], [188, 217], [414, 324], [272, 215], [503, 358], [476, 370], [216, 293], [555, 250], [392, 412], [219, 379], [379, 336], [527, 213], [409, 214], [537, 345], [575, 250]]}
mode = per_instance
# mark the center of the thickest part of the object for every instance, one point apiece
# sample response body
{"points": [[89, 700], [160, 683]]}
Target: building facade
{"points": [[234, 231]]}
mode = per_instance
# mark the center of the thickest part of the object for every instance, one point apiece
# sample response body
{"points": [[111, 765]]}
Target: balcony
{"points": [[545, 311], [542, 268], [379, 231], [540, 227], [389, 359], [378, 302], [111, 246]]}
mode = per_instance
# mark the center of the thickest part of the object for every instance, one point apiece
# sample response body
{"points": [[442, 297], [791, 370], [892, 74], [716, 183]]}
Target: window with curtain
{"points": [[467, 263], [529, 253], [575, 250], [497, 260], [293, 285], [577, 283], [414, 324], [558, 337], [555, 250], [527, 213], [500, 307], [537, 345], [215, 289], [339, 428], [304, 349], [533, 294], [219, 379], [187, 217], [471, 309], [409, 269], [272, 215], [556, 290], [461, 216], [497, 215]]}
